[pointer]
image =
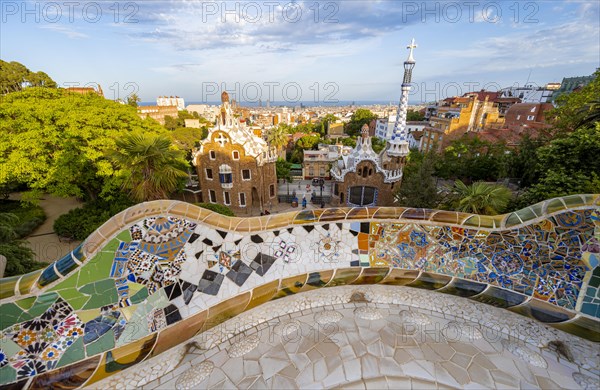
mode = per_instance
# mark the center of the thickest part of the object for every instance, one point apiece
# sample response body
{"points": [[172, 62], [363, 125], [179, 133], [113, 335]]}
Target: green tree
{"points": [[591, 114], [413, 115], [418, 188], [570, 112], [523, 161], [187, 138], [358, 119], [377, 144], [18, 255], [133, 100], [472, 159], [151, 168], [348, 141], [308, 142], [480, 198], [567, 165], [56, 142], [278, 137], [15, 76], [283, 169]]}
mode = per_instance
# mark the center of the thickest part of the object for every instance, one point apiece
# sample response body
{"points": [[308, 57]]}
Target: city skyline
{"points": [[319, 52]]}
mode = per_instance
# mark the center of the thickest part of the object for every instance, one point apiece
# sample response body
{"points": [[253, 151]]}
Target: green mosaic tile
{"points": [[104, 343], [98, 267], [74, 297], [140, 296], [124, 236], [112, 245], [10, 314], [42, 303], [26, 303], [9, 347], [70, 282], [7, 374], [101, 293], [74, 353]]}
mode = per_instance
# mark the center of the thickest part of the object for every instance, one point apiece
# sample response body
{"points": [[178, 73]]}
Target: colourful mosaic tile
{"points": [[160, 271]]}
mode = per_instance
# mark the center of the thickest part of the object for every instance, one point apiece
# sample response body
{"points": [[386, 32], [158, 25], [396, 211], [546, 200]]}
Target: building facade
{"points": [[365, 178], [171, 101], [235, 167], [157, 113]]}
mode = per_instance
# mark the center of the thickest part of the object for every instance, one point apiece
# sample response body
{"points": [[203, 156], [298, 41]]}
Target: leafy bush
{"points": [[217, 208], [19, 257], [29, 216], [79, 223]]}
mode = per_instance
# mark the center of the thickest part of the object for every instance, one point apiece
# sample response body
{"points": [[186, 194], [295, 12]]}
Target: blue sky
{"points": [[306, 50]]}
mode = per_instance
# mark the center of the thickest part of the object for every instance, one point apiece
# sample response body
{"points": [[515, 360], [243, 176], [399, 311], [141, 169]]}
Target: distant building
{"points": [[193, 123], [86, 90], [171, 101], [335, 130], [235, 167], [570, 84], [527, 116], [157, 113], [206, 111], [528, 93], [317, 163], [466, 113], [430, 139]]}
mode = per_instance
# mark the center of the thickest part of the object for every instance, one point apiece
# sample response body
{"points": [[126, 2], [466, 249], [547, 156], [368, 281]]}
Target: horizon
{"points": [[318, 52]]}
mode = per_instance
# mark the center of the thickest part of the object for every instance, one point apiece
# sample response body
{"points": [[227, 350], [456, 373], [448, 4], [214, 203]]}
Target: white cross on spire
{"points": [[412, 46]]}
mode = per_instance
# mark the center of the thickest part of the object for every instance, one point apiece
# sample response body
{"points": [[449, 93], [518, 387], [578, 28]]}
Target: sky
{"points": [[309, 51]]}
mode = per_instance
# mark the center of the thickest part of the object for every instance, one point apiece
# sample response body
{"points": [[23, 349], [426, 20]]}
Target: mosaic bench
{"points": [[158, 273]]}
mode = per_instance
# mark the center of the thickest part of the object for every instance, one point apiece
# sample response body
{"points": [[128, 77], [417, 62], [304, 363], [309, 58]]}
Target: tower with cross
{"points": [[399, 142]]}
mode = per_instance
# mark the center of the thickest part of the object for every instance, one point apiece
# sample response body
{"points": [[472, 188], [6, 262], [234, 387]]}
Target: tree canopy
{"points": [[358, 119], [55, 141], [15, 76]]}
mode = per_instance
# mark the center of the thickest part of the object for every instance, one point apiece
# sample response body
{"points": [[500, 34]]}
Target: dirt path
{"points": [[43, 241]]}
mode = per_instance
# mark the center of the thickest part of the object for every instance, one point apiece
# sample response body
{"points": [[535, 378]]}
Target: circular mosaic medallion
{"points": [[507, 263], [569, 219]]}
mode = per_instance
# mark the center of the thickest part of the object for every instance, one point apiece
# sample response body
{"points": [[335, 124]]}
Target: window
{"points": [[362, 196], [226, 198], [213, 196], [236, 155], [336, 189], [242, 199], [272, 190], [225, 176], [246, 174], [209, 175], [212, 154], [530, 117], [518, 117]]}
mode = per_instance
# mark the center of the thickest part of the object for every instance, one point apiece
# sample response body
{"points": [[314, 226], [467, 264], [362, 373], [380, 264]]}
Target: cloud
{"points": [[69, 32]]}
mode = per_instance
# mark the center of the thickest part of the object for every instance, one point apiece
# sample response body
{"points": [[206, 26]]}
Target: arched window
{"points": [[225, 175], [236, 155]]}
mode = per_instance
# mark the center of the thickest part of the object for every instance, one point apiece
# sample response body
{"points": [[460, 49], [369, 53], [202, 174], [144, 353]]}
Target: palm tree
{"points": [[152, 168], [19, 257], [480, 198], [278, 138]]}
